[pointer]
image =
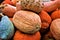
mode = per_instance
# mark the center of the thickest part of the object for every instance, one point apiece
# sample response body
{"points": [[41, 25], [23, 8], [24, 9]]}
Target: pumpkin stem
{"points": [[1, 14]]}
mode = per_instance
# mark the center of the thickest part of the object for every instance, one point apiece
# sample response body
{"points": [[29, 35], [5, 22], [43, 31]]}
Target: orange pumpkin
{"points": [[7, 2], [45, 18], [27, 22], [9, 10], [55, 14], [21, 36]]}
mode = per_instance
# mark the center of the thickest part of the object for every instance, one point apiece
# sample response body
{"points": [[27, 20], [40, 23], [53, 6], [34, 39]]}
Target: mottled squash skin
{"points": [[6, 28], [55, 29], [21, 36], [26, 21]]}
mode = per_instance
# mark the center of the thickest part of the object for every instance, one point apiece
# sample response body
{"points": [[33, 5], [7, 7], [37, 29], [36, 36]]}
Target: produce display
{"points": [[30, 20]]}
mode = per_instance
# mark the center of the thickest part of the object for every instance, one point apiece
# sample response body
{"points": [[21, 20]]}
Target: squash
{"points": [[51, 6], [39, 5], [6, 28], [26, 21], [21, 36], [8, 10], [45, 19], [55, 29], [55, 14]]}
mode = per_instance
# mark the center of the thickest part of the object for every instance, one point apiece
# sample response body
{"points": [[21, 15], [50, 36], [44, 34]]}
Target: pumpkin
{"points": [[26, 21], [55, 29], [48, 36], [45, 18], [55, 14], [9, 10], [7, 2], [21, 36], [6, 28]]}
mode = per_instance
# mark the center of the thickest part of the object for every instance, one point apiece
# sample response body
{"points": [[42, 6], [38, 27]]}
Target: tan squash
{"points": [[55, 29], [26, 21], [21, 36]]}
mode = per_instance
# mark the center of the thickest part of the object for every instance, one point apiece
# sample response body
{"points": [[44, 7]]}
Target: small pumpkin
{"points": [[55, 29], [55, 14], [21, 36], [9, 10], [45, 18], [26, 21]]}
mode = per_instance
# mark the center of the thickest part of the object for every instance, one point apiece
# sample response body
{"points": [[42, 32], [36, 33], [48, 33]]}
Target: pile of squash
{"points": [[35, 22]]}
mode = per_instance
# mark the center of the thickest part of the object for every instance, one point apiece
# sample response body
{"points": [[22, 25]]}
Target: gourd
{"points": [[26, 21], [55, 29], [38, 5], [6, 28], [21, 36], [45, 19], [8, 10], [55, 14]]}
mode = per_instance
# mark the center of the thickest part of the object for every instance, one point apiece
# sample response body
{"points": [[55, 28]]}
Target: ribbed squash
{"points": [[26, 21]]}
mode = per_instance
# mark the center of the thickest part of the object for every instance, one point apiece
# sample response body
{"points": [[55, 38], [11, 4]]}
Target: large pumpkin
{"points": [[26, 21], [55, 14], [21, 36], [55, 29], [8, 10], [46, 19]]}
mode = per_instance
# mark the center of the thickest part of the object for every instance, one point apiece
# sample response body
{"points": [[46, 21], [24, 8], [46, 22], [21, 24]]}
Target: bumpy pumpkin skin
{"points": [[21, 36], [9, 10], [55, 14], [6, 28], [26, 21], [45, 18], [55, 29]]}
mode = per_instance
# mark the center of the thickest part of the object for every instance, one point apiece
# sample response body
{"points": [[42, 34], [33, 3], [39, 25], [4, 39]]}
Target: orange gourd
{"points": [[45, 18], [26, 21], [21, 36], [7, 2], [9, 10], [55, 14]]}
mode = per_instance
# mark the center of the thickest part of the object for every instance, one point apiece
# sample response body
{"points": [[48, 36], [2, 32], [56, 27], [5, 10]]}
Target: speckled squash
{"points": [[55, 14], [26, 21], [55, 29], [9, 10], [21, 36], [6, 28], [32, 5]]}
